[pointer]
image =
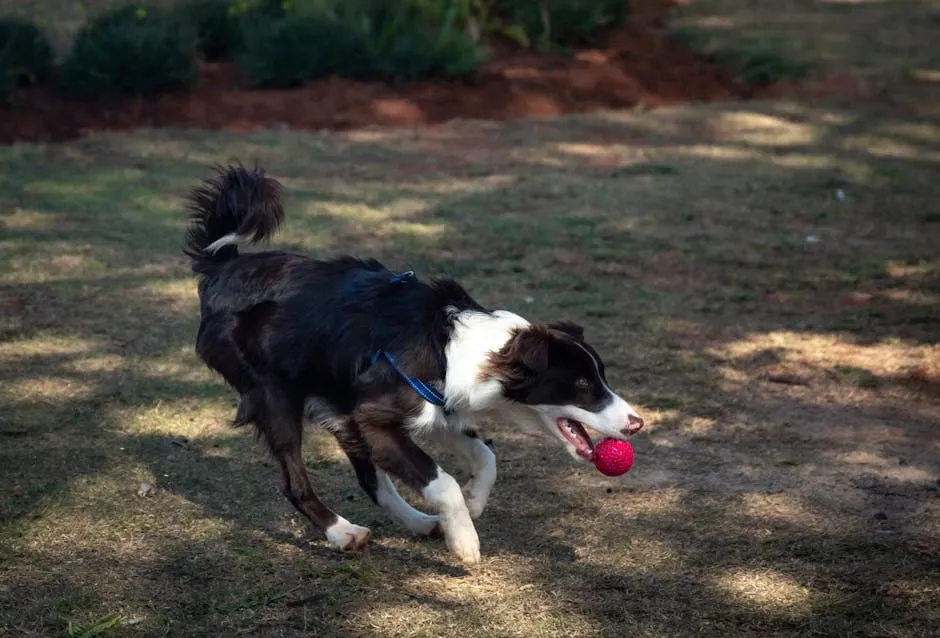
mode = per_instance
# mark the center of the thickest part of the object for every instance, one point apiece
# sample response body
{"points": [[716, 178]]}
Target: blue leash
{"points": [[399, 278], [426, 392]]}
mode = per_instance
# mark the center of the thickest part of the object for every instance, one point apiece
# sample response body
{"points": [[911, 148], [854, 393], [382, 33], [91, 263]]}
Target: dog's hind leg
{"points": [[281, 425], [379, 486]]}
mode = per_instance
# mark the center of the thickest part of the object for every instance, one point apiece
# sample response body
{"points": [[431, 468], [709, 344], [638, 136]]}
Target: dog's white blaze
{"points": [[444, 495], [613, 418], [610, 421], [399, 510], [225, 240], [476, 336], [344, 535]]}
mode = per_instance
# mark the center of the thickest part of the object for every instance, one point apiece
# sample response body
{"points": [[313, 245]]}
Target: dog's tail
{"points": [[237, 206]]}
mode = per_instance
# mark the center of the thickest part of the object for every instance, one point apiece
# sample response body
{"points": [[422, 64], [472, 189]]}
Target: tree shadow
{"points": [[755, 507]]}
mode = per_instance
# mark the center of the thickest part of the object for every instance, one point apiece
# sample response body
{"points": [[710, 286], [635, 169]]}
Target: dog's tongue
{"points": [[576, 433]]}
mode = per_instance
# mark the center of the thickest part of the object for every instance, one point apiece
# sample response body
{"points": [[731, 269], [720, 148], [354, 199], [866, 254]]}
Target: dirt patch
{"points": [[636, 66], [791, 444]]}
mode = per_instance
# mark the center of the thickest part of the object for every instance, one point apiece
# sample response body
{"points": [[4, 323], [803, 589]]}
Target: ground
{"points": [[761, 277]]}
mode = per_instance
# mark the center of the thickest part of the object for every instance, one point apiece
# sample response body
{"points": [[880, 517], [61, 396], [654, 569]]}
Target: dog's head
{"points": [[557, 381]]}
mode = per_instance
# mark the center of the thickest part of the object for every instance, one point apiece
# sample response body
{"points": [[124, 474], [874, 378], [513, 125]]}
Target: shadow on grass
{"points": [[755, 508], [879, 41]]}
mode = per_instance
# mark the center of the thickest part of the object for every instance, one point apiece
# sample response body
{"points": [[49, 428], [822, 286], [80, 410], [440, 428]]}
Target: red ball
{"points": [[613, 457]]}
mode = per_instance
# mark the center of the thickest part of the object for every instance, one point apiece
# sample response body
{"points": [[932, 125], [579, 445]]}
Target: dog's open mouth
{"points": [[575, 433]]}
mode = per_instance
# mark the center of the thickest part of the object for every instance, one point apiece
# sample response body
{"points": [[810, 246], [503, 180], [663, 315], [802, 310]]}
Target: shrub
{"points": [[563, 22], [133, 51], [218, 26], [25, 55], [355, 39], [288, 51], [281, 8], [420, 52], [424, 38]]}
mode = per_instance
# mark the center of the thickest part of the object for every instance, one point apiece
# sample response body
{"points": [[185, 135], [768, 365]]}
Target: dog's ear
{"points": [[529, 349], [568, 327], [523, 357]]}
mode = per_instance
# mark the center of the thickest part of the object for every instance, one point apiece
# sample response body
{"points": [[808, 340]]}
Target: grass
{"points": [[750, 509], [787, 484], [880, 40], [755, 59]]}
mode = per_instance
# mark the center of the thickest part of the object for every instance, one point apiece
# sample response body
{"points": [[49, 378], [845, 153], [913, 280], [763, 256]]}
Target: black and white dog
{"points": [[378, 358]]}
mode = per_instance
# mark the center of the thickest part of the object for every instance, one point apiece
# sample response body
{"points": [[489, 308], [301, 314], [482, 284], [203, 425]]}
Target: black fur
{"points": [[296, 336], [281, 327], [238, 201]]}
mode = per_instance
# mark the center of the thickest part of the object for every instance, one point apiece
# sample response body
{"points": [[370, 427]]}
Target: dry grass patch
{"points": [[881, 40], [759, 504]]}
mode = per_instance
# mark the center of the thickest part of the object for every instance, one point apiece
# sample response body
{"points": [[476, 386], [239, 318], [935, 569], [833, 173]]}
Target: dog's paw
{"points": [[463, 541], [347, 537], [468, 553]]}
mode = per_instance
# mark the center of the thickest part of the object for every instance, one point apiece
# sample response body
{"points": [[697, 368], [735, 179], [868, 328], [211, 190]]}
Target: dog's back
{"points": [[377, 357], [286, 331], [311, 324]]}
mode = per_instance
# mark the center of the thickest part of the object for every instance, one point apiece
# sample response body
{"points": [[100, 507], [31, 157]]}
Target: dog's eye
{"points": [[582, 383]]}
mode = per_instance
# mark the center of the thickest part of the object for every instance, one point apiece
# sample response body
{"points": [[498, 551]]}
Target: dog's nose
{"points": [[634, 424]]}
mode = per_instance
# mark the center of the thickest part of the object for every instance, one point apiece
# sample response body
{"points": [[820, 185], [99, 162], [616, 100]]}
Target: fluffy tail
{"points": [[237, 206]]}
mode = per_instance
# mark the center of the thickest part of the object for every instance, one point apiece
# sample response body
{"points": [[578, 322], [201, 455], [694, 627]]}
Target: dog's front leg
{"points": [[393, 451], [443, 494], [479, 459]]}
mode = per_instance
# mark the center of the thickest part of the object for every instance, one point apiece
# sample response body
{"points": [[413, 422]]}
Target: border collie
{"points": [[379, 359]]}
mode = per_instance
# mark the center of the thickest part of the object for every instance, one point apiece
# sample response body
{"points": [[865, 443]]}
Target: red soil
{"points": [[637, 66]]}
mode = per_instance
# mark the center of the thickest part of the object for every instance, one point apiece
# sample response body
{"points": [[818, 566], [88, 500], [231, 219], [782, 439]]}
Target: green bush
{"points": [[562, 22], [356, 39], [25, 55], [218, 25], [132, 51], [424, 38], [419, 52], [290, 50], [288, 42]]}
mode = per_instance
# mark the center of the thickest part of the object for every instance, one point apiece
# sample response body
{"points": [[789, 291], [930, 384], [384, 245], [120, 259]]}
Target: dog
{"points": [[379, 359]]}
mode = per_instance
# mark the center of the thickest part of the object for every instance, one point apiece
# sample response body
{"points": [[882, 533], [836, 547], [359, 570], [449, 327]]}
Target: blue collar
{"points": [[426, 392]]}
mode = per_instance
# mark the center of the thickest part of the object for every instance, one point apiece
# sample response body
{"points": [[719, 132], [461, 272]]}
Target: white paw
{"points": [[347, 537], [462, 540]]}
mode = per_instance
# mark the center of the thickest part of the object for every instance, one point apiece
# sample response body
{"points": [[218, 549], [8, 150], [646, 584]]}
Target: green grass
{"points": [[739, 517], [804, 505], [756, 59], [882, 41]]}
